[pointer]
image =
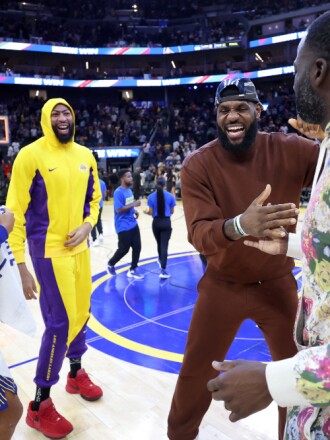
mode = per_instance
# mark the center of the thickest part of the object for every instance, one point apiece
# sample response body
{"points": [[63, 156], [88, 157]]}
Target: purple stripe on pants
{"points": [[54, 340]]}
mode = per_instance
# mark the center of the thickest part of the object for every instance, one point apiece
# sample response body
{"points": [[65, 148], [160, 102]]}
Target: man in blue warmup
{"points": [[126, 225]]}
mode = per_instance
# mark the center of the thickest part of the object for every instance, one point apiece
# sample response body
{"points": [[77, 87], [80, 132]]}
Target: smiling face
{"points": [[237, 124], [62, 123]]}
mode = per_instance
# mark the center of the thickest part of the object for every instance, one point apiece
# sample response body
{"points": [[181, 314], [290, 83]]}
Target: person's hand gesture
{"points": [[312, 131], [267, 221], [275, 246]]}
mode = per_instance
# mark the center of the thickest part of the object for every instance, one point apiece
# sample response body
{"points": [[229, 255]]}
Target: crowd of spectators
{"points": [[258, 9], [132, 123], [97, 125], [98, 23], [87, 23], [165, 135], [153, 23], [55, 30], [158, 9]]}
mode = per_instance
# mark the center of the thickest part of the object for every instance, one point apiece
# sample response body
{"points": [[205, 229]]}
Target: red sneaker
{"points": [[48, 421], [81, 384]]}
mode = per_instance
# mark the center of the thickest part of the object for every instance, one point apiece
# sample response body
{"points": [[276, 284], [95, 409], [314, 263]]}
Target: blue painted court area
{"points": [[146, 322]]}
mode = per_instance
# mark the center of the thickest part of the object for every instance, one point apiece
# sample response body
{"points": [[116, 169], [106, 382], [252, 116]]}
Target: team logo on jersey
{"points": [[83, 167]]}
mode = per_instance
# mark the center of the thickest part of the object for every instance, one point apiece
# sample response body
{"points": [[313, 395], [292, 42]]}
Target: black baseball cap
{"points": [[236, 89]]}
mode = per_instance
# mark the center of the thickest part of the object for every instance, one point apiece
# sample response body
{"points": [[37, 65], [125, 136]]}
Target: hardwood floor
{"points": [[136, 399]]}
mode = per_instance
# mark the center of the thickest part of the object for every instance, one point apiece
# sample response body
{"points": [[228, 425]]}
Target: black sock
{"points": [[41, 395], [75, 365]]}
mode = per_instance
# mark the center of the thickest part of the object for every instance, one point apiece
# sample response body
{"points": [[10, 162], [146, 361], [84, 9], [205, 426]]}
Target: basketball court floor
{"points": [[136, 339]]}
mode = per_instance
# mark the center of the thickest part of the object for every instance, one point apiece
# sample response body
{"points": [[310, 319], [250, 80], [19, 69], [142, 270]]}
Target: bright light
{"points": [[258, 57], [87, 65], [173, 64]]}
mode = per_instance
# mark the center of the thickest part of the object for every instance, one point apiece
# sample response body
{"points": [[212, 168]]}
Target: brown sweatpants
{"points": [[219, 311]]}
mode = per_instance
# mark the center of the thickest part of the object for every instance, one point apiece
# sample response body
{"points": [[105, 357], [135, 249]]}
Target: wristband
{"points": [[238, 228], [237, 232]]}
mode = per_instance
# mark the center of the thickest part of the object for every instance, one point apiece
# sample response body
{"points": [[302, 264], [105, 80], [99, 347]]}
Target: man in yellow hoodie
{"points": [[54, 193]]}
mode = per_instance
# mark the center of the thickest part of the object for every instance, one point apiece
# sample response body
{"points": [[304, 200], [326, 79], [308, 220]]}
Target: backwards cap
{"points": [[236, 89]]}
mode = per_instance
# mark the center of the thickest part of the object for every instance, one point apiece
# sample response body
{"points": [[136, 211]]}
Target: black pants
{"points": [[162, 229], [98, 226], [126, 240]]}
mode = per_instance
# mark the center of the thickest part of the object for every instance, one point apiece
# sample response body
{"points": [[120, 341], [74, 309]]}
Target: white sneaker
{"points": [[100, 238], [134, 274], [163, 274], [95, 243]]}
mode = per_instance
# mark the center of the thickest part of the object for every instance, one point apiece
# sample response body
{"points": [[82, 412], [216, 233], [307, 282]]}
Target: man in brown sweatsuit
{"points": [[220, 186]]}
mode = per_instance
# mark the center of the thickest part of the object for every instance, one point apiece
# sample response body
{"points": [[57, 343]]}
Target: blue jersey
{"points": [[3, 234], [103, 191], [169, 203], [124, 221]]}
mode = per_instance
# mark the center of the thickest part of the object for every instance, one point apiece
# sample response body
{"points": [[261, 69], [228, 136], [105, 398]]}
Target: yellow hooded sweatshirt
{"points": [[54, 189]]}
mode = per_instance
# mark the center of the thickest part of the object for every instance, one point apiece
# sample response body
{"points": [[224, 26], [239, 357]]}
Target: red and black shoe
{"points": [[48, 421], [81, 384]]}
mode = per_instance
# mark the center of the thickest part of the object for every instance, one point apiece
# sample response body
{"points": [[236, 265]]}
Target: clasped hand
{"points": [[242, 386]]}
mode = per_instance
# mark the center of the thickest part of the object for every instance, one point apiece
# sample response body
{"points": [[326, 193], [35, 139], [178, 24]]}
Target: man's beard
{"points": [[246, 143], [310, 107], [64, 138]]}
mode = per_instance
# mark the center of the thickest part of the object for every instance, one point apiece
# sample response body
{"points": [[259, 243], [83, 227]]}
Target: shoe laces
{"points": [[84, 380], [51, 414]]}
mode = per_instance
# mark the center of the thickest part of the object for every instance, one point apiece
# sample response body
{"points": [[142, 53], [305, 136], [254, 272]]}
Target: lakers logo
{"points": [[83, 167]]}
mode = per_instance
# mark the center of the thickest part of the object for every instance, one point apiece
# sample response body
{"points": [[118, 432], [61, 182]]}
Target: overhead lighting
{"points": [[173, 64], [87, 65], [258, 57]]}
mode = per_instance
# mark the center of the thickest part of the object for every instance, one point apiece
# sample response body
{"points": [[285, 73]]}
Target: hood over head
{"points": [[46, 123]]}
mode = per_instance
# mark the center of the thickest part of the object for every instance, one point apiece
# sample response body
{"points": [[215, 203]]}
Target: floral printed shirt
{"points": [[312, 331]]}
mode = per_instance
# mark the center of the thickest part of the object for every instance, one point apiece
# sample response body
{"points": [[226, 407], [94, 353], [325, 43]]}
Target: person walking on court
{"points": [[54, 194], [96, 240], [161, 205], [126, 225]]}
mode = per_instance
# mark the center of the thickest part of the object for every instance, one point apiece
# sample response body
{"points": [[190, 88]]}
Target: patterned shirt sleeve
{"points": [[312, 372], [301, 380]]}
